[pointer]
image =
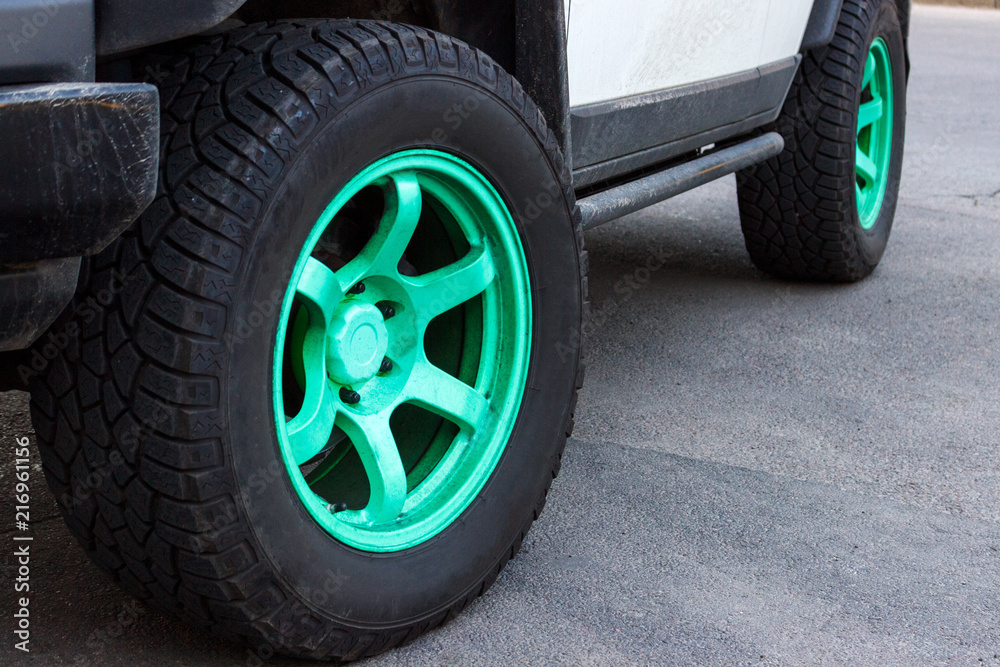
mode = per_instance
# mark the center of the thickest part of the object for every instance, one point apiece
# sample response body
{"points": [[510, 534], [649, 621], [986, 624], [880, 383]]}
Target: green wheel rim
{"points": [[874, 147], [396, 388]]}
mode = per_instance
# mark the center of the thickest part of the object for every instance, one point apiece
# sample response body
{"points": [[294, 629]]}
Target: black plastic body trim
{"points": [[822, 24], [636, 195], [78, 163], [31, 297], [123, 25], [905, 8], [541, 63], [617, 137], [46, 41]]}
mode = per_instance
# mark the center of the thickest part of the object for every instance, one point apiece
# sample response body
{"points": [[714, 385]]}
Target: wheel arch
{"points": [[904, 7], [823, 23], [526, 38]]}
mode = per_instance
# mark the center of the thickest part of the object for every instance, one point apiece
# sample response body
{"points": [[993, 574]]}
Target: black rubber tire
{"points": [[164, 456], [70, 414], [798, 210]]}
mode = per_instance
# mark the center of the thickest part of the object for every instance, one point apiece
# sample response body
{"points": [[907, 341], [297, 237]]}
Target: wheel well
{"points": [[486, 25], [528, 39]]}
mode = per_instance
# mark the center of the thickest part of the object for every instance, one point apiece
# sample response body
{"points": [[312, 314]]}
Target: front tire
{"points": [[823, 209], [289, 152]]}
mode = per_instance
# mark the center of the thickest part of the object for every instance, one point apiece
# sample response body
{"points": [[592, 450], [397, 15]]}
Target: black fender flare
{"points": [[823, 24]]}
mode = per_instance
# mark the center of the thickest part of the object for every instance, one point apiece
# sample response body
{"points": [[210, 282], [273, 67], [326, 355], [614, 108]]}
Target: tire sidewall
{"points": [[341, 583]]}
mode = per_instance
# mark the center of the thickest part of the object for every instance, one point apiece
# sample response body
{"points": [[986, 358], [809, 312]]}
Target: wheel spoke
{"points": [[309, 432], [402, 212], [376, 446], [869, 113], [858, 195], [353, 345], [446, 396], [869, 70], [320, 290], [439, 291], [865, 167]]}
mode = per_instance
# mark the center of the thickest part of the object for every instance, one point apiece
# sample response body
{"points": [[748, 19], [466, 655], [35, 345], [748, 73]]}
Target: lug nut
{"points": [[386, 366], [349, 396], [387, 310], [333, 508], [357, 289]]}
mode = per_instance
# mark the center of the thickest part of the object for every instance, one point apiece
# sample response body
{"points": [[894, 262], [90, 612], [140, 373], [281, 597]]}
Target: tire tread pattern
{"points": [[797, 209], [128, 415]]}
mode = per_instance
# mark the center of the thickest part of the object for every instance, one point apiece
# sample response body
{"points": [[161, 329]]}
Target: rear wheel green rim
{"points": [[873, 153], [396, 389]]}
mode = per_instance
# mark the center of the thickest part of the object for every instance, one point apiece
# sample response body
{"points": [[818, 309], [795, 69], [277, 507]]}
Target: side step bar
{"points": [[614, 203]]}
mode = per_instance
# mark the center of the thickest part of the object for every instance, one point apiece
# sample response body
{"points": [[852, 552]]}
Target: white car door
{"points": [[621, 48], [651, 80]]}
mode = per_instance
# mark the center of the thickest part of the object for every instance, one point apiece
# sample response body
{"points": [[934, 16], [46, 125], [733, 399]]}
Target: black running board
{"points": [[614, 203]]}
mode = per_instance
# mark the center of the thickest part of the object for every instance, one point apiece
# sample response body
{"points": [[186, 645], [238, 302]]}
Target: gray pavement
{"points": [[762, 472]]}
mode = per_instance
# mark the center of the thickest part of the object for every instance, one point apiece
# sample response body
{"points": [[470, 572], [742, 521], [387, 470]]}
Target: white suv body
{"points": [[676, 42]]}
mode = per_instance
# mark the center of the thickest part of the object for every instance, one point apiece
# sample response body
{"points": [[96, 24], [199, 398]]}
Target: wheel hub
{"points": [[873, 154], [356, 343], [425, 405]]}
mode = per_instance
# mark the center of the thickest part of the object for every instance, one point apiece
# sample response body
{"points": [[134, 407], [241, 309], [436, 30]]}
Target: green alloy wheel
{"points": [[333, 386], [823, 209], [874, 149], [358, 347]]}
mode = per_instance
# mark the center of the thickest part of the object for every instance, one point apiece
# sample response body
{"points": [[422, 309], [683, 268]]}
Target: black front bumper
{"points": [[78, 164]]}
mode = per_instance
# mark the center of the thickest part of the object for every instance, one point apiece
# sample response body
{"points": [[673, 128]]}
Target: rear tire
{"points": [[200, 513], [802, 212]]}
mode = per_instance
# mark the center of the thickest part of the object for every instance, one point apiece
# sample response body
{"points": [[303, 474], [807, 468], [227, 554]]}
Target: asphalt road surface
{"points": [[762, 473]]}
